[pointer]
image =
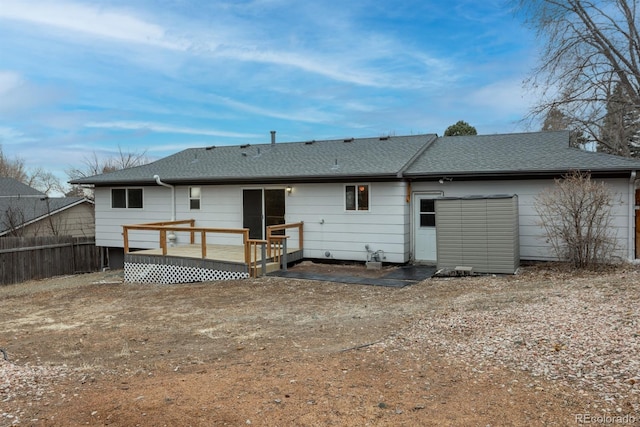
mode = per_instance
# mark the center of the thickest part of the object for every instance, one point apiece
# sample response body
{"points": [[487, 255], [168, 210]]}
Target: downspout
{"points": [[173, 195], [171, 237], [632, 221]]}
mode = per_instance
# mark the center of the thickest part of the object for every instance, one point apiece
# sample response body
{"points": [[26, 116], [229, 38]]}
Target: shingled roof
{"points": [[535, 153], [416, 156], [13, 187], [27, 205], [370, 158]]}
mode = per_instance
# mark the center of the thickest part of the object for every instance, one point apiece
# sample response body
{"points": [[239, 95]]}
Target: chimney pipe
{"points": [[273, 137]]}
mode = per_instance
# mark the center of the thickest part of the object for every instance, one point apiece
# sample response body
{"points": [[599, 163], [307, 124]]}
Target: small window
{"points": [[118, 198], [357, 197], [134, 198], [194, 198], [122, 198], [427, 213]]}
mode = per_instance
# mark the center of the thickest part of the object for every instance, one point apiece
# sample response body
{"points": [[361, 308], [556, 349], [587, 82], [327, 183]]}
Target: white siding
{"points": [[109, 221], [343, 234], [328, 227], [533, 245]]}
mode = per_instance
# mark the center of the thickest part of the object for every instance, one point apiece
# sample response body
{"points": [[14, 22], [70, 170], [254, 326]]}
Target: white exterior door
{"points": [[424, 228]]}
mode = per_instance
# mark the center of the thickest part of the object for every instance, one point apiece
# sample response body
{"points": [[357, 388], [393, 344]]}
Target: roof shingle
{"points": [[366, 157], [370, 158], [517, 153]]}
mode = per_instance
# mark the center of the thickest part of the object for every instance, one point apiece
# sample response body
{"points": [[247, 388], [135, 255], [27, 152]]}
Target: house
{"points": [[27, 212], [361, 199]]}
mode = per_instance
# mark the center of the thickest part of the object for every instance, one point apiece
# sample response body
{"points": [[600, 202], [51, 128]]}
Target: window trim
{"points": [[429, 215], [356, 198], [193, 199], [127, 198]]}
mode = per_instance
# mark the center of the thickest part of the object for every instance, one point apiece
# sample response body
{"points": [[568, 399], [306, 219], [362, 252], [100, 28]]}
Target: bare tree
{"points": [[576, 216], [44, 181], [95, 165], [53, 224], [37, 178], [13, 168], [13, 219], [589, 47]]}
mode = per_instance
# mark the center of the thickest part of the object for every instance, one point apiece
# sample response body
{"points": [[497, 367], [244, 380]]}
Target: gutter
{"points": [[632, 203], [173, 195]]}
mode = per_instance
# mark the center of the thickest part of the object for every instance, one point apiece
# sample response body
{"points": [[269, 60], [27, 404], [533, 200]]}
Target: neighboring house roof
{"points": [[13, 187], [28, 205], [536, 153], [417, 156]]}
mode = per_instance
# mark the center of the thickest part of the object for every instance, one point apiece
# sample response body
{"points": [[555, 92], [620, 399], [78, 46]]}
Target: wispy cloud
{"points": [[307, 114], [359, 62], [77, 75], [160, 128], [92, 20], [18, 94], [9, 80], [12, 136], [505, 96]]}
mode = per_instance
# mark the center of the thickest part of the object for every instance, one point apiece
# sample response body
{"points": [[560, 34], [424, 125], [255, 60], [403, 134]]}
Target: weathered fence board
{"points": [[29, 258]]}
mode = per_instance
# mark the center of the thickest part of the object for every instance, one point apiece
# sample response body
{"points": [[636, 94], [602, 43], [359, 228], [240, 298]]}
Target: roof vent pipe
{"points": [[273, 137], [173, 195]]}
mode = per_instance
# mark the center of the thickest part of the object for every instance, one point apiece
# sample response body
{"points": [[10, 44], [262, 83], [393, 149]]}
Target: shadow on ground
{"points": [[398, 278]]}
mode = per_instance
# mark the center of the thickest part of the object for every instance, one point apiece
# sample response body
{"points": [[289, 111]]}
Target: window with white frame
{"points": [[195, 194], [126, 198], [356, 197]]}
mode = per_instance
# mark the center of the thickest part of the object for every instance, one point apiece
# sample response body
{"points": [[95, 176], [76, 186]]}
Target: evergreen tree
{"points": [[460, 128], [621, 125]]}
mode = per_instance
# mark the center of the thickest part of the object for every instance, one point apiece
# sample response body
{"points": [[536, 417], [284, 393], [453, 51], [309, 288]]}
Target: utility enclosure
{"points": [[479, 232]]}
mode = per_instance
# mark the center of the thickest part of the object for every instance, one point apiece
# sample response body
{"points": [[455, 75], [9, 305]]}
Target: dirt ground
{"points": [[91, 350]]}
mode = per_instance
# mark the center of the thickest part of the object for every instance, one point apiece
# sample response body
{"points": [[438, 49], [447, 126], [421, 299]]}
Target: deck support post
{"points": [[264, 258], [284, 254]]}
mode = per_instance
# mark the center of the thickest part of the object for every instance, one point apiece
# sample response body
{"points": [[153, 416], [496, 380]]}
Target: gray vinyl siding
{"points": [[533, 240], [478, 232]]}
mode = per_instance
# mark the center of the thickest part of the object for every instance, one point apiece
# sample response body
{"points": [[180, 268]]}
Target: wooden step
{"points": [[271, 266]]}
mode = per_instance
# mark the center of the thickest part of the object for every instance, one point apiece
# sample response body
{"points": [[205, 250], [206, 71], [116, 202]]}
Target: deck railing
{"points": [[274, 243], [276, 240], [253, 257]]}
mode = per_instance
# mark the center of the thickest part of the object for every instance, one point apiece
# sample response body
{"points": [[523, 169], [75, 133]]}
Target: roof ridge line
{"points": [[419, 153]]}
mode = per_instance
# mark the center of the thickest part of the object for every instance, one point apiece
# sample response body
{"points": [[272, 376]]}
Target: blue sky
{"points": [[78, 77]]}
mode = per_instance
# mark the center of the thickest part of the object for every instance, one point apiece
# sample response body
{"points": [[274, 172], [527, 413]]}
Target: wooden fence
{"points": [[29, 258]]}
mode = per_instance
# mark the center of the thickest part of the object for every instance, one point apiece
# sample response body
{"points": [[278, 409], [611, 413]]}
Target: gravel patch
{"points": [[30, 381], [579, 333], [582, 332]]}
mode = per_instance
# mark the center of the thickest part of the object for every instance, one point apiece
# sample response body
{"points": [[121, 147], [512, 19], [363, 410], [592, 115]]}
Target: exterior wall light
{"points": [[289, 189]]}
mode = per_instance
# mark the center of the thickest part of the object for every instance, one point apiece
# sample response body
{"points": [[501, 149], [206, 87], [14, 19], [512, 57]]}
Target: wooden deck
{"points": [[201, 261], [227, 253]]}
